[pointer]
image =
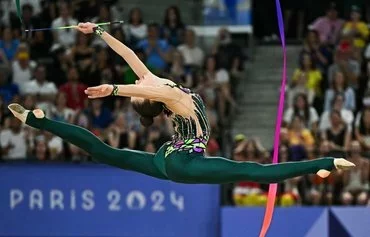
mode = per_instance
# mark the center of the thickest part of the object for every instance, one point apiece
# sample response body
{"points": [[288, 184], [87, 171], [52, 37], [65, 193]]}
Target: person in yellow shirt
{"points": [[314, 76], [356, 28], [298, 135]]}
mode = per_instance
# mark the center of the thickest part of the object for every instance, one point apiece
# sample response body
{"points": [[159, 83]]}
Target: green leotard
{"points": [[182, 159]]}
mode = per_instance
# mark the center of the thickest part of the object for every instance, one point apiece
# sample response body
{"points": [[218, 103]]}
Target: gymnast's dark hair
{"points": [[148, 110]]}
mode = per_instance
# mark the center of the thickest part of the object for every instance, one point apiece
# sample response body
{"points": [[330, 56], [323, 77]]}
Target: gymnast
{"points": [[182, 159]]}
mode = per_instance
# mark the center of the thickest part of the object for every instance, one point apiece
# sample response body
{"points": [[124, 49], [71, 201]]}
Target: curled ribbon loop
{"points": [[273, 187]]}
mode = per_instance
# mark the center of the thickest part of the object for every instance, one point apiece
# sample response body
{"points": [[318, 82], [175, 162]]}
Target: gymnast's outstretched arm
{"points": [[126, 53], [160, 93]]}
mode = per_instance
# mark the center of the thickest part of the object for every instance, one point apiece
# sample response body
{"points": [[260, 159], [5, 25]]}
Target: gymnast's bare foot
{"points": [[21, 113], [340, 164]]}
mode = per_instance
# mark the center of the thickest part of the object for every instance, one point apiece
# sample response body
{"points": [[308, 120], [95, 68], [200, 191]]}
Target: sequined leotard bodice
{"points": [[191, 134]]}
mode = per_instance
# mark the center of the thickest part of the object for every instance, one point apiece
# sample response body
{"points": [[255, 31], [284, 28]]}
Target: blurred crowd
{"points": [[328, 114], [51, 69]]}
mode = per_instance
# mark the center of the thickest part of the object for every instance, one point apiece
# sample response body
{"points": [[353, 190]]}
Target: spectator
{"points": [[225, 50], [284, 137], [13, 141], [122, 105], [81, 55], [321, 190], [299, 87], [54, 145], [23, 67], [99, 116], [344, 62], [4, 115], [292, 8], [320, 54], [104, 16], [160, 132], [337, 105], [40, 46], [156, 50], [212, 115], [219, 78], [236, 75], [7, 89], [120, 135], [173, 27], [290, 188], [29, 101], [64, 37], [40, 87], [356, 181], [363, 93], [192, 54], [60, 111], [338, 134], [213, 148], [329, 26], [313, 75], [48, 14], [74, 90], [136, 30], [8, 45], [303, 109], [3, 60], [340, 86], [149, 147], [356, 29], [35, 4], [177, 71], [100, 69], [364, 105], [299, 137], [41, 151], [362, 130], [85, 9], [248, 193], [59, 68], [28, 18]]}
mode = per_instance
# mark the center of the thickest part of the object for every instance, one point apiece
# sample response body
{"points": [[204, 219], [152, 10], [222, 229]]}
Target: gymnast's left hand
{"points": [[99, 91], [86, 28]]}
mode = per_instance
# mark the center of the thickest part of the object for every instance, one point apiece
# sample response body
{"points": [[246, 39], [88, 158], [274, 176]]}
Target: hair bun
{"points": [[146, 121]]}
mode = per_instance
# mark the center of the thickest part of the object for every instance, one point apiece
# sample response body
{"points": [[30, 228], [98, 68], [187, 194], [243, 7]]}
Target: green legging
{"points": [[179, 166]]}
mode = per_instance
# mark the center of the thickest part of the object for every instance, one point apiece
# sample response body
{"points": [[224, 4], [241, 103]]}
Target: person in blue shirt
{"points": [[8, 44], [156, 50], [99, 115], [7, 90]]}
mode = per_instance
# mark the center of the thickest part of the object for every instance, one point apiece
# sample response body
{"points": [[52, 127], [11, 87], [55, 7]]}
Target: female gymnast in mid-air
{"points": [[182, 159]]}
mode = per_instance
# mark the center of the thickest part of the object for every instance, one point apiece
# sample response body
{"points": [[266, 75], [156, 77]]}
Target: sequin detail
{"points": [[185, 138], [197, 145]]}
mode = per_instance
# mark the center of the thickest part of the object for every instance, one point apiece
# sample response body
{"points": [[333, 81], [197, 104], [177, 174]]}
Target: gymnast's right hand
{"points": [[86, 28], [99, 91]]}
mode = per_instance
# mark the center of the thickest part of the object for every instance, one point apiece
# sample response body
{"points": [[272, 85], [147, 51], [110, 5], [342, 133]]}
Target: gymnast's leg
{"points": [[141, 162], [199, 169]]}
